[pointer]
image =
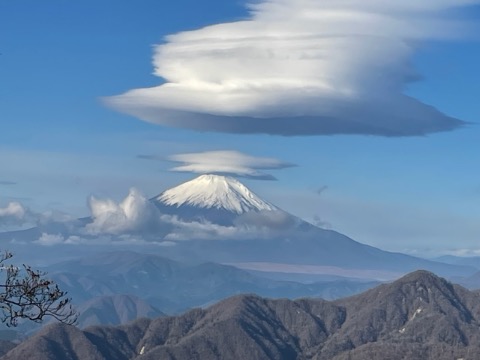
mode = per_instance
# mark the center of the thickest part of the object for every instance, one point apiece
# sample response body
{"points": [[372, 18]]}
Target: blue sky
{"points": [[60, 143]]}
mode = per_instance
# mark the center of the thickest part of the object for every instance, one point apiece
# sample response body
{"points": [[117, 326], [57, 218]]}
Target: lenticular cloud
{"points": [[228, 162], [300, 67]]}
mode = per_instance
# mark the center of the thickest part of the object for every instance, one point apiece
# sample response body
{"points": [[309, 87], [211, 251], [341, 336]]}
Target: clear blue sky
{"points": [[59, 143]]}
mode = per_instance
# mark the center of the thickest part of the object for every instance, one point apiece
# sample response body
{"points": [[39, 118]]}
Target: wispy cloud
{"points": [[150, 157], [321, 190], [229, 163], [300, 67], [7, 183]]}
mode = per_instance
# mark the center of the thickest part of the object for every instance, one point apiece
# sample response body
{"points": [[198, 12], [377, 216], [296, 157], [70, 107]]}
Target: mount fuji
{"points": [[291, 244], [218, 199]]}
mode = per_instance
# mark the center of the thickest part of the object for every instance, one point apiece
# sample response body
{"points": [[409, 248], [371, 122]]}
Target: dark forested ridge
{"points": [[419, 316]]}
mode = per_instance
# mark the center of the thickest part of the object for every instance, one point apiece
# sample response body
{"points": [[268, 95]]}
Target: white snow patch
{"points": [[417, 312]]}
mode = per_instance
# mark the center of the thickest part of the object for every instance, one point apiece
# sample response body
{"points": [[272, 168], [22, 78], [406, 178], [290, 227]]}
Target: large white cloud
{"points": [[229, 163], [134, 214], [300, 67]]}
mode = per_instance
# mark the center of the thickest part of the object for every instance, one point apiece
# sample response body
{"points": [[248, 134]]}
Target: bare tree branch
{"points": [[27, 294]]}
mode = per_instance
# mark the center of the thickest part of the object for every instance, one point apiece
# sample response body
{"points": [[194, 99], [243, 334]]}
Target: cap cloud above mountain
{"points": [[228, 162], [300, 67]]}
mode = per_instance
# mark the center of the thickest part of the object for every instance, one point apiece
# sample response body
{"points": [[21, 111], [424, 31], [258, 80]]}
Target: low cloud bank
{"points": [[137, 221]]}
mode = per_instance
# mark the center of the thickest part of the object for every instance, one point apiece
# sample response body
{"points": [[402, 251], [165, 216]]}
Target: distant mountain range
{"points": [[173, 287], [419, 316], [117, 287]]}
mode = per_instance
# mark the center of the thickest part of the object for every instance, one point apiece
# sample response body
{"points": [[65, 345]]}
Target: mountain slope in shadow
{"points": [[419, 316]]}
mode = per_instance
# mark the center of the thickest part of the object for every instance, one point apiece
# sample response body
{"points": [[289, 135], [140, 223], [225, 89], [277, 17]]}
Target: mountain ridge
{"points": [[381, 323]]}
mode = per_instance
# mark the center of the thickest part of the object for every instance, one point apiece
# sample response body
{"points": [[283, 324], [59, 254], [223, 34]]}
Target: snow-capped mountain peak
{"points": [[214, 192]]}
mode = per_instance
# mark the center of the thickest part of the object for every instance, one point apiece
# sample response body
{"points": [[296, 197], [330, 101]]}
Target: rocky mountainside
{"points": [[420, 316], [114, 310], [100, 310]]}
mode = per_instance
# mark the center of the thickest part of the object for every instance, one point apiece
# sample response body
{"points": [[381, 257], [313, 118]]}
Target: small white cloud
{"points": [[13, 209], [74, 240], [14, 214], [58, 239], [300, 67], [50, 239], [167, 243], [228, 163]]}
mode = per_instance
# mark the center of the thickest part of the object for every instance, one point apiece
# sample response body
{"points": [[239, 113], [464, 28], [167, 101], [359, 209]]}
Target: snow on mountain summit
{"points": [[214, 192]]}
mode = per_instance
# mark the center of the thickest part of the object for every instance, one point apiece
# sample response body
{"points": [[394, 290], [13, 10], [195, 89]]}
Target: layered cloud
{"points": [[228, 163], [7, 182], [300, 67]]}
